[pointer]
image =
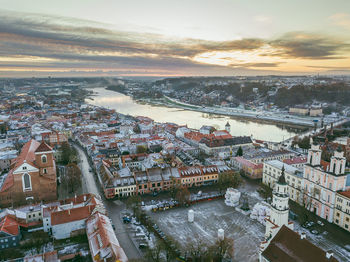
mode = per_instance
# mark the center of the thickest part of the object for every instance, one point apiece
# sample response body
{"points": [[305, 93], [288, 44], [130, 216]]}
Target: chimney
{"points": [[84, 198], [68, 211], [302, 235], [329, 254]]}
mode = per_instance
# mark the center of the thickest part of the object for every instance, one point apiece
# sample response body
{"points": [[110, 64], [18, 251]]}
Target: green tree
{"points": [[304, 143], [229, 179], [69, 154], [141, 149], [239, 151]]}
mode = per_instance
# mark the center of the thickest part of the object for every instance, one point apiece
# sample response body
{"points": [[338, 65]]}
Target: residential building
{"points": [[103, 243], [342, 210], [10, 234], [294, 177]]}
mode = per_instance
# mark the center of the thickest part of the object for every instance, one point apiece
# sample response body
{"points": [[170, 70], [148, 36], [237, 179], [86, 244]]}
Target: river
{"points": [[126, 105]]}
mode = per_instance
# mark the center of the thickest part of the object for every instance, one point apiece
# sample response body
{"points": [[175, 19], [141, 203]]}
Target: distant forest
{"points": [[300, 94]]}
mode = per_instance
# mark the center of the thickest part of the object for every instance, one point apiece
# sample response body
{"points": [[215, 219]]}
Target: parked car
{"points": [[320, 223], [143, 245], [126, 219], [315, 232]]}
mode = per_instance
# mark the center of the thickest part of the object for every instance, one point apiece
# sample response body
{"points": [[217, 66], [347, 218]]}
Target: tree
{"points": [[220, 250], [229, 179], [154, 254], [304, 143], [69, 154], [175, 185], [133, 202], [239, 151], [183, 195], [141, 149], [137, 129], [265, 191], [72, 177]]}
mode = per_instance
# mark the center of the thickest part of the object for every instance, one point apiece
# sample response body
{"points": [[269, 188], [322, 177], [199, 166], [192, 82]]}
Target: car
{"points": [[315, 232], [143, 245], [126, 219], [320, 223]]}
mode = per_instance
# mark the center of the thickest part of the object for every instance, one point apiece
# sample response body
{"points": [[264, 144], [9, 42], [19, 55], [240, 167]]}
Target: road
{"points": [[114, 208]]}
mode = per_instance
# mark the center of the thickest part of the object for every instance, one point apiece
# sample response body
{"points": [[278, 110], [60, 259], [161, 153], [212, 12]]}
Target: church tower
{"points": [[338, 162], [314, 154], [228, 127], [279, 208]]}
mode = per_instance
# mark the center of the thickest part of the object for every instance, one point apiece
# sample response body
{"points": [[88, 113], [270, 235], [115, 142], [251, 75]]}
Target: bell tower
{"points": [[228, 127], [279, 208], [338, 162], [314, 154]]}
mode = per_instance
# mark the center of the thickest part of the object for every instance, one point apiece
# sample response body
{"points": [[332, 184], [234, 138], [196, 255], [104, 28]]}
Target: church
{"points": [[32, 176], [281, 242]]}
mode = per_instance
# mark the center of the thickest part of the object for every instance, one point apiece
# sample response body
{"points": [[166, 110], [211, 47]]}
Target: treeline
{"points": [[303, 94]]}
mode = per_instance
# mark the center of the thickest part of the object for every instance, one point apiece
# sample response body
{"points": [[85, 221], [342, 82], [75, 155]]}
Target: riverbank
{"points": [[251, 116], [163, 112]]}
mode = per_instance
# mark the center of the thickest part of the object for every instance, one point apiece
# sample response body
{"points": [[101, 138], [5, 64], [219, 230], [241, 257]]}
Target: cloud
{"points": [[341, 19], [309, 46], [67, 44]]}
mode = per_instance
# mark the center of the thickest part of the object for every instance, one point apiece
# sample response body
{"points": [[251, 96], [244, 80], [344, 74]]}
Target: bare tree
{"points": [[72, 177]]}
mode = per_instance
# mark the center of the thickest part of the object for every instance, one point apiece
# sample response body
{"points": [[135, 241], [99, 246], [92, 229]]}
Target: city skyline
{"points": [[168, 38]]}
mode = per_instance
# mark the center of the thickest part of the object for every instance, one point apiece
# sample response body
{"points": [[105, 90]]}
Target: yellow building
{"points": [[342, 210]]}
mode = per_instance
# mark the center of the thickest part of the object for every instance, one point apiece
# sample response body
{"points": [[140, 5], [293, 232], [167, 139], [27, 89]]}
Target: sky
{"points": [[173, 38]]}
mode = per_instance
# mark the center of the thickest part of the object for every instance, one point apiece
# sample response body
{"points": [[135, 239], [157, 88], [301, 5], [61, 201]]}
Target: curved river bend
{"points": [[126, 105]]}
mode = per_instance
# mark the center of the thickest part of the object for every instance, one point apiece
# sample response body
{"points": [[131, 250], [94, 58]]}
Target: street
{"points": [[114, 208]]}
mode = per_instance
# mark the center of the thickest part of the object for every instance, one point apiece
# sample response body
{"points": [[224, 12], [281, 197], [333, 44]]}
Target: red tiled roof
{"points": [[27, 153], [287, 246], [43, 147], [295, 160], [70, 215], [9, 226], [345, 193]]}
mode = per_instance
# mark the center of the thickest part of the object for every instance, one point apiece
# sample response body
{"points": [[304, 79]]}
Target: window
{"points": [[26, 182], [45, 171], [44, 159]]}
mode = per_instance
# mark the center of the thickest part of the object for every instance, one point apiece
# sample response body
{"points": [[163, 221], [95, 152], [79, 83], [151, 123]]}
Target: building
{"points": [[251, 170], [289, 246], [342, 210], [104, 245], [294, 177], [222, 142], [32, 176], [281, 243], [279, 208], [302, 110], [10, 234], [299, 110], [322, 181]]}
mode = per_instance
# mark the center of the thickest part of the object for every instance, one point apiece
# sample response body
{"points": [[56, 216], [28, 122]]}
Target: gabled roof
{"points": [[27, 154], [71, 215], [43, 147], [9, 226], [287, 246]]}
